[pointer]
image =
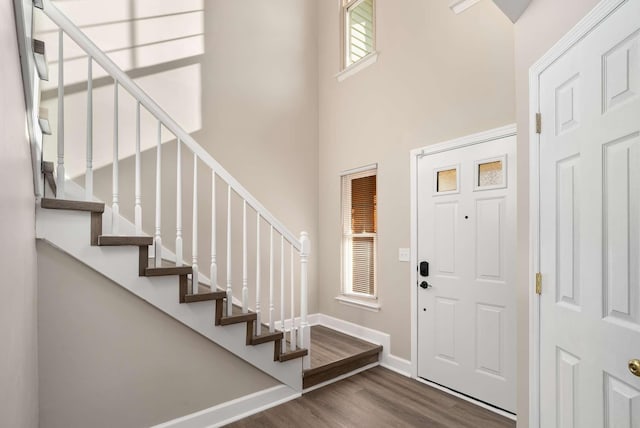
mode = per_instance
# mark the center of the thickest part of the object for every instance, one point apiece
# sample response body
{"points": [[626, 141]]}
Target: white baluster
{"points": [[194, 249], [60, 184], [304, 334], [271, 269], [115, 207], [214, 264], [179, 256], [292, 332], [157, 242], [138, 185], [284, 330], [88, 182], [245, 289], [229, 288], [258, 326]]}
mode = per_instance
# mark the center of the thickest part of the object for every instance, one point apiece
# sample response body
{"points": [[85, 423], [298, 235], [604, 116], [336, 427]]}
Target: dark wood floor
{"points": [[329, 346], [376, 398]]}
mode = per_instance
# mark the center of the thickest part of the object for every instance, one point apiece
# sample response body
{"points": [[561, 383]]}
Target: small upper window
{"points": [[359, 32]]}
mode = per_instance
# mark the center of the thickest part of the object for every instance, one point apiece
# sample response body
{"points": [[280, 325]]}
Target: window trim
{"points": [[369, 305], [348, 295], [356, 67], [346, 69]]}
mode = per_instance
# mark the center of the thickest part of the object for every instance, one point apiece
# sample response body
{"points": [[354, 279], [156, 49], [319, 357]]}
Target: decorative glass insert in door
{"points": [[447, 180], [490, 174]]}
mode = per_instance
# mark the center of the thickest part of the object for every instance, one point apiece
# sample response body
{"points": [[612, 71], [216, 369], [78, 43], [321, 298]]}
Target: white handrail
{"points": [[73, 32]]}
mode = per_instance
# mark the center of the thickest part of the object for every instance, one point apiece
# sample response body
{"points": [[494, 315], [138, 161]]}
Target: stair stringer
{"points": [[69, 232]]}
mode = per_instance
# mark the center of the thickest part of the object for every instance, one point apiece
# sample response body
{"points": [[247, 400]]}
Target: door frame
{"points": [[415, 156], [587, 24]]}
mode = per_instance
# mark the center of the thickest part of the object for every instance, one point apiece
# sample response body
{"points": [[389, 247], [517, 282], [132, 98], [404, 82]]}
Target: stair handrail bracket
{"points": [[294, 338]]}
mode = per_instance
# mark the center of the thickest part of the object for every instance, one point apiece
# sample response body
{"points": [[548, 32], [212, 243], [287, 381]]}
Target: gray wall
{"points": [[110, 359], [18, 322], [542, 24], [439, 76]]}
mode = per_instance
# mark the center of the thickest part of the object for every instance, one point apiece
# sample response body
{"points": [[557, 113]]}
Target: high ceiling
{"points": [[512, 8]]}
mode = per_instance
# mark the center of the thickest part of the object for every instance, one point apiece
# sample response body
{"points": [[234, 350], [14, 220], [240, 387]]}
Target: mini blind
{"points": [[359, 30], [359, 209]]}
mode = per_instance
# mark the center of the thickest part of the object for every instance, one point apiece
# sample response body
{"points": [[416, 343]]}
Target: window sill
{"points": [[357, 67], [372, 306]]}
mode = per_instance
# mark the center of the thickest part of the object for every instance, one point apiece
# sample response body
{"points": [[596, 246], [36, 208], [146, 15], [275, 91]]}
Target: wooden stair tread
{"points": [[265, 335], [204, 293], [117, 240], [204, 297], [66, 204], [166, 268], [238, 318], [290, 355], [335, 354]]}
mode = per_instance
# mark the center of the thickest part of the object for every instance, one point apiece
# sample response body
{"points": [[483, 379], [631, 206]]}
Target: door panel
{"points": [[490, 333], [568, 233], [568, 372], [622, 403], [445, 238], [466, 227], [490, 233], [445, 327], [622, 187]]}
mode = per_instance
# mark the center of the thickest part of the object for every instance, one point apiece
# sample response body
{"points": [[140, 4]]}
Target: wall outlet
{"points": [[404, 254]]}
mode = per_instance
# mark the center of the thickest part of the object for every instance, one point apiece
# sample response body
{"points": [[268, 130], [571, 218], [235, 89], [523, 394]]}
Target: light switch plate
{"points": [[404, 254]]}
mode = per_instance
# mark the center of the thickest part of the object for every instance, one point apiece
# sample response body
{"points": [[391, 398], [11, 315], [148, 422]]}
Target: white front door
{"points": [[590, 229], [466, 303]]}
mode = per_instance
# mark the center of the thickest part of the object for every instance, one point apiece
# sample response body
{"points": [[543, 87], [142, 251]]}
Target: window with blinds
{"points": [[359, 34], [359, 236]]}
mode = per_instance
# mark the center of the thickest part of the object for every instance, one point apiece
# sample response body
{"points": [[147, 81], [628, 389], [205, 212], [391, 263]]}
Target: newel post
{"points": [[304, 337]]}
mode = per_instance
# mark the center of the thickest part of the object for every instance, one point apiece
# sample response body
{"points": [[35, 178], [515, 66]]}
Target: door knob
{"points": [[425, 285], [634, 367]]}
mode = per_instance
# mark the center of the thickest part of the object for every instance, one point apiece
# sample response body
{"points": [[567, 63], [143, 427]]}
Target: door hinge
{"points": [[538, 123], [538, 283]]}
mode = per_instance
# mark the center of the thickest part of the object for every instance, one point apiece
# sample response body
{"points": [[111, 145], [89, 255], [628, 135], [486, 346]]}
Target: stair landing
{"points": [[334, 353]]}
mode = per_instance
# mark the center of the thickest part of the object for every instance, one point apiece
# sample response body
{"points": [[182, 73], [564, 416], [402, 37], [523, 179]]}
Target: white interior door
{"points": [[590, 229], [466, 232]]}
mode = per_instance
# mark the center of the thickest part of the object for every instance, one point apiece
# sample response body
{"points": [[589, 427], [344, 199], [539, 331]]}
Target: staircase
{"points": [[254, 304], [255, 335], [275, 336]]}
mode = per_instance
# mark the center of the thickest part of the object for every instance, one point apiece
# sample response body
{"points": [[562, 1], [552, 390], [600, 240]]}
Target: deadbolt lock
{"points": [[634, 367]]}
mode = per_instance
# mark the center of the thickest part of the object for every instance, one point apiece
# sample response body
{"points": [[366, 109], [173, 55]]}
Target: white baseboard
{"points": [[398, 365], [234, 410], [387, 360]]}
